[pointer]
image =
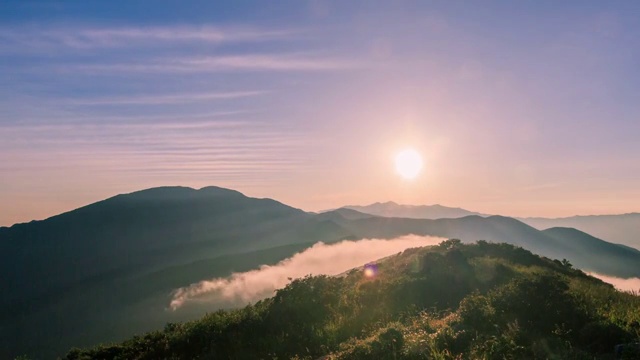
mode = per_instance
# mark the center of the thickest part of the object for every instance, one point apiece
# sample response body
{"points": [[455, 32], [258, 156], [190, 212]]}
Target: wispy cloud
{"points": [[166, 99], [333, 259], [245, 62], [268, 62], [217, 148], [109, 37], [166, 49], [165, 120]]}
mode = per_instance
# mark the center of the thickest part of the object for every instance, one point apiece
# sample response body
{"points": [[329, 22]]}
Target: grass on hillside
{"points": [[451, 301]]}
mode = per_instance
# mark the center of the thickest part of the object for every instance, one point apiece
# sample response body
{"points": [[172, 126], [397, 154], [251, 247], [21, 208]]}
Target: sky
{"points": [[528, 108]]}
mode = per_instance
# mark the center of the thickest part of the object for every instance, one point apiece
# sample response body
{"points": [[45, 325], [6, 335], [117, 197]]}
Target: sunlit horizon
{"points": [[524, 111]]}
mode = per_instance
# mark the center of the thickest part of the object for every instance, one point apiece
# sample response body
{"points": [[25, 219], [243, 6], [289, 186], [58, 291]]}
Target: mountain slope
{"points": [[584, 251], [623, 229], [392, 209], [74, 276], [343, 215], [135, 232], [600, 255], [451, 301]]}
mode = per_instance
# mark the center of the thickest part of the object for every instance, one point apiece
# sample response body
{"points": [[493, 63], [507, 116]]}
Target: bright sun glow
{"points": [[408, 163]]}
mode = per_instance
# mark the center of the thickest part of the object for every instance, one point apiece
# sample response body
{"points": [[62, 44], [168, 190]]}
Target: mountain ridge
{"points": [[618, 228], [92, 264], [622, 228], [393, 209]]}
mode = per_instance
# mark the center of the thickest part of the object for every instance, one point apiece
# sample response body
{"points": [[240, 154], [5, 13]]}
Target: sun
{"points": [[408, 163]]}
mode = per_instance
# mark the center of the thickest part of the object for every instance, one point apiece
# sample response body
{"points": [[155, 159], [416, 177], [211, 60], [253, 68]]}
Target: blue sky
{"points": [[519, 108]]}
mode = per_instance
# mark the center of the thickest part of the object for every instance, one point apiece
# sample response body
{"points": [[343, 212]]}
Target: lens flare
{"points": [[370, 270]]}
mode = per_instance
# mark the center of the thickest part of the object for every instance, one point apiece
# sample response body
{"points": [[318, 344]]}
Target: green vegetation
{"points": [[451, 301]]}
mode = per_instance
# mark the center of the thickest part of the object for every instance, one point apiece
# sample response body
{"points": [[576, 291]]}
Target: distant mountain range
{"points": [[623, 229], [106, 271], [392, 209]]}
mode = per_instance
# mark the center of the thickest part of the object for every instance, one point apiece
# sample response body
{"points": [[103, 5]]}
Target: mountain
{"points": [[342, 214], [140, 232], [623, 229], [583, 250], [450, 301], [107, 271], [392, 209]]}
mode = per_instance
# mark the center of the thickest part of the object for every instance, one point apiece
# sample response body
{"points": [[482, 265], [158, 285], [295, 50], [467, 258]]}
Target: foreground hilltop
{"points": [[450, 301]]}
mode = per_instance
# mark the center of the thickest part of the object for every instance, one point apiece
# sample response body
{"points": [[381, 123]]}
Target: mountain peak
{"points": [[219, 191], [380, 203], [180, 191]]}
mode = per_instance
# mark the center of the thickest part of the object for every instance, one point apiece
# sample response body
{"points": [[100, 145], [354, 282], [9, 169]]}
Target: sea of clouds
{"points": [[630, 284], [320, 259]]}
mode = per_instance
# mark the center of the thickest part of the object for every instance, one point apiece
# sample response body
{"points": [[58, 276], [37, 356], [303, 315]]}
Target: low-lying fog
{"points": [[320, 259], [631, 284]]}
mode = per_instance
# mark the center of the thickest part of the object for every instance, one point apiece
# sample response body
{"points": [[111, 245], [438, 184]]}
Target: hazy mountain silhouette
{"points": [[392, 209], [339, 215], [623, 229], [106, 271], [582, 249], [141, 231]]}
